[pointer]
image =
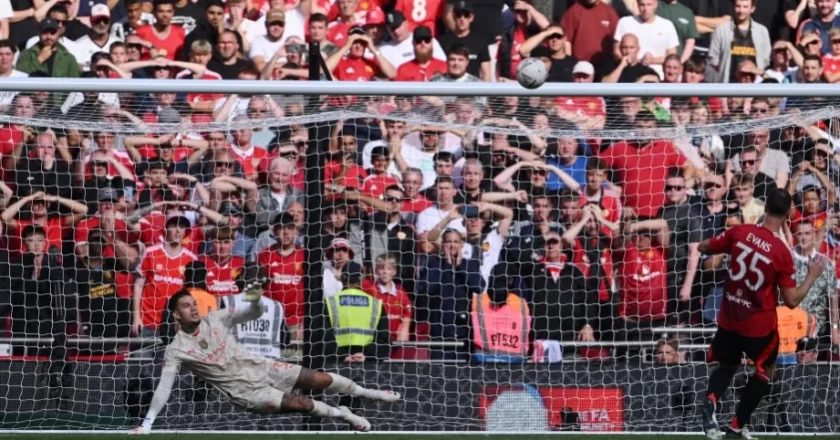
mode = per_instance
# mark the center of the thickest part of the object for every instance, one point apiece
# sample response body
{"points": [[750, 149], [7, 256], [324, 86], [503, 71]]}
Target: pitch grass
{"points": [[361, 436]]}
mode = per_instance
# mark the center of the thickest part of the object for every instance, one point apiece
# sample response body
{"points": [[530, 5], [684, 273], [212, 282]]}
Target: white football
{"points": [[531, 73]]}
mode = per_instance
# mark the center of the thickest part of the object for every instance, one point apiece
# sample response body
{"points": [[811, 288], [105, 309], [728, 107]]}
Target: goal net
{"points": [[521, 263]]}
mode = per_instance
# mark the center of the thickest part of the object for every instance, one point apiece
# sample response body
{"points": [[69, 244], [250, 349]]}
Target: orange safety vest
{"points": [[794, 324], [501, 330], [206, 302]]}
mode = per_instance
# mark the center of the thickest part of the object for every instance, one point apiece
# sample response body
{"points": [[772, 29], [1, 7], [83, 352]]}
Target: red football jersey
{"points": [[642, 281], [396, 304], [153, 229], [356, 69], [164, 275], [413, 71], [286, 286], [421, 12], [168, 46], [249, 160], [221, 280], [759, 264], [374, 186]]}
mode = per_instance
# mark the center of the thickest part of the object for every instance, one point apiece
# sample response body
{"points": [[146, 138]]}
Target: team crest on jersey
{"points": [[158, 267], [203, 344], [649, 254], [401, 235], [591, 105], [819, 223], [185, 240], [182, 269], [485, 246], [299, 267]]}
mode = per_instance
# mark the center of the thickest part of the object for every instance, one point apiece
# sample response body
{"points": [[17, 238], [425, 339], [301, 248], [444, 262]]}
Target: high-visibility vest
{"points": [[794, 324], [501, 331], [205, 301], [354, 316]]}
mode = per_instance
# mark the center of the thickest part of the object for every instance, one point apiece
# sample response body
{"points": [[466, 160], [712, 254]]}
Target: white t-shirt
{"points": [[491, 247], [655, 37], [261, 46], [399, 53], [423, 161], [6, 98], [431, 216], [240, 108], [76, 98], [6, 10], [294, 26], [87, 48], [366, 160]]}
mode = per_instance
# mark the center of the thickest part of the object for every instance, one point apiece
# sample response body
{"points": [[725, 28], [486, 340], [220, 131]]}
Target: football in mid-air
{"points": [[531, 73]]}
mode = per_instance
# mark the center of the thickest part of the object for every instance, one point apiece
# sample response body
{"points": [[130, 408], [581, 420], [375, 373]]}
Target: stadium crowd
{"points": [[449, 232]]}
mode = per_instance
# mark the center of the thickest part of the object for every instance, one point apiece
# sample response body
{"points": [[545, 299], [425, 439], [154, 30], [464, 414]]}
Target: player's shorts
{"points": [[282, 377], [729, 347]]}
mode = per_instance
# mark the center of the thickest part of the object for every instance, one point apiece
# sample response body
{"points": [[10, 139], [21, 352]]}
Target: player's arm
{"points": [[716, 245], [161, 397], [792, 296]]}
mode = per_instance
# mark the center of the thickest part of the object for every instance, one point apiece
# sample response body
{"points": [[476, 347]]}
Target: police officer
{"points": [[359, 327]]}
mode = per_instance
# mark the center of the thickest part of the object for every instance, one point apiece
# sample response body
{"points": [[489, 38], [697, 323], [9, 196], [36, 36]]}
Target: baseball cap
{"points": [[463, 5], [375, 17], [108, 195], [352, 273], [356, 30], [100, 10], [584, 67], [379, 151], [395, 19], [274, 15], [228, 208], [422, 32], [339, 243], [48, 23], [283, 219], [178, 219]]}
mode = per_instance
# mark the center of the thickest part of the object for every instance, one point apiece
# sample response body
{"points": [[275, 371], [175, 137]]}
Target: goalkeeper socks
{"points": [[321, 409], [719, 381], [755, 390], [343, 385]]}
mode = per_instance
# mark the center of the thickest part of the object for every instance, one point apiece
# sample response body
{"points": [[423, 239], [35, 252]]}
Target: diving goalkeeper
{"points": [[208, 348]]}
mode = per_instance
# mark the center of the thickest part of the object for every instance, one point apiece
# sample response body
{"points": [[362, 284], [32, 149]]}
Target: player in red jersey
{"points": [[760, 263]]}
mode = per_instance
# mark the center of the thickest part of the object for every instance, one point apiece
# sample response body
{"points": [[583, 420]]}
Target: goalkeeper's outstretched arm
{"points": [[253, 294], [161, 397]]}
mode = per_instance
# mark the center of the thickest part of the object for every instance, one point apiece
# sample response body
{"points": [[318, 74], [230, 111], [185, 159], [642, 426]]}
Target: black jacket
{"points": [[39, 306], [560, 308], [400, 243]]}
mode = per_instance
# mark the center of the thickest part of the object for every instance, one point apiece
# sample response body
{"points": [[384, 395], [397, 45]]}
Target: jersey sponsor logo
{"points": [[223, 286], [216, 354], [286, 279], [169, 280], [355, 301], [738, 300]]}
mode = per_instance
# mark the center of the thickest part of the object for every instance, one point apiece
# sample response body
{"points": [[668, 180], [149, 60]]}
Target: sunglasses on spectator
{"points": [[256, 110], [276, 23], [711, 185], [748, 162], [812, 42], [669, 188], [423, 40], [49, 31], [390, 199], [101, 20], [557, 36], [462, 14], [224, 164], [835, 41], [760, 111]]}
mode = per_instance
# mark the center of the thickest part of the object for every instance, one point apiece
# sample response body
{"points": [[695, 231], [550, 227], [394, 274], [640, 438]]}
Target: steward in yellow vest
{"points": [[359, 328]]}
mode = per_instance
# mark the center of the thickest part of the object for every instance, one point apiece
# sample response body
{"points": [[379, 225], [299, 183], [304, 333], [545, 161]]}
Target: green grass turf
{"points": [[329, 436]]}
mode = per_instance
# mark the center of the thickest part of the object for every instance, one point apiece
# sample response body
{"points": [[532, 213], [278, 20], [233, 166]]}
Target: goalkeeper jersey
{"points": [[213, 353]]}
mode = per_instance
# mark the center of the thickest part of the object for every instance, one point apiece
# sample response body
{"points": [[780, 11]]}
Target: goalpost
{"points": [[329, 133]]}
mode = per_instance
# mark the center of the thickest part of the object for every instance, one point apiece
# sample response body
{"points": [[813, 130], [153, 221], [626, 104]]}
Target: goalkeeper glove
{"points": [[253, 292]]}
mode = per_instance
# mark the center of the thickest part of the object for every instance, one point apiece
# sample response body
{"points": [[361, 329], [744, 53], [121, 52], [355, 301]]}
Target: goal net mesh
{"points": [[534, 259]]}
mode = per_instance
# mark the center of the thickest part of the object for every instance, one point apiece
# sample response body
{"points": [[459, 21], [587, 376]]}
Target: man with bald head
{"points": [[277, 195], [628, 69], [657, 37]]}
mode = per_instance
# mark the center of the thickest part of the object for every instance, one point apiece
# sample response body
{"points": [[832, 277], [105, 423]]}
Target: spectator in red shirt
{"points": [[348, 17], [378, 180], [53, 226], [590, 25], [355, 67], [163, 35], [423, 66], [413, 201], [641, 167], [395, 300], [642, 278]]}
